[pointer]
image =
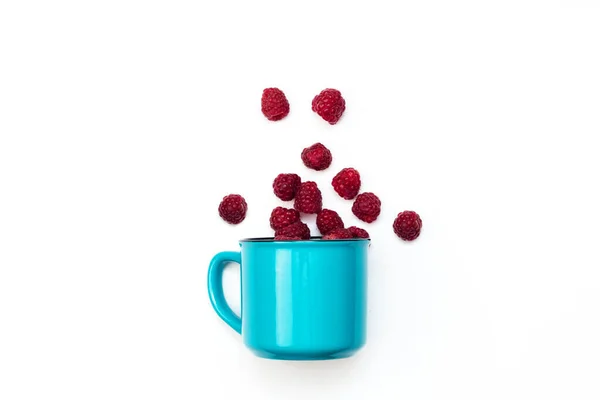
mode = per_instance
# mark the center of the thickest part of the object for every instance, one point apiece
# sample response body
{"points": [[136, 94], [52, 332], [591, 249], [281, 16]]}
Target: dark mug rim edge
{"points": [[313, 239]]}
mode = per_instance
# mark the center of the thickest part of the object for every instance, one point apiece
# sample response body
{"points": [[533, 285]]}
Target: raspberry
{"points": [[285, 186], [366, 207], [308, 198], [339, 234], [316, 157], [274, 104], [328, 220], [358, 232], [286, 238], [407, 225], [347, 183], [282, 217], [330, 105], [233, 208], [297, 229]]}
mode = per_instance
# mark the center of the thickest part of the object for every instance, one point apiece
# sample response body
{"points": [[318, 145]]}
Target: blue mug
{"points": [[301, 300]]}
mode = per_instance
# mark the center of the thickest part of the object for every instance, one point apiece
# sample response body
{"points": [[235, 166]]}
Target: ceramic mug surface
{"points": [[301, 300]]}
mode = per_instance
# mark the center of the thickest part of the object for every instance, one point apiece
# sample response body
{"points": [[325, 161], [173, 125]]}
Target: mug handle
{"points": [[215, 288]]}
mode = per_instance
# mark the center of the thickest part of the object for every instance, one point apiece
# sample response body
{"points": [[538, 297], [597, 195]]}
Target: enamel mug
{"points": [[301, 300]]}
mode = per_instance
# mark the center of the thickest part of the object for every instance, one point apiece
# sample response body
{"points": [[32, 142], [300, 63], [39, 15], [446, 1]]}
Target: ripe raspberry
{"points": [[339, 234], [358, 232], [407, 225], [316, 157], [297, 229], [330, 105], [274, 104], [282, 217], [286, 238], [285, 186], [366, 207], [308, 198], [328, 220], [233, 208], [347, 183]]}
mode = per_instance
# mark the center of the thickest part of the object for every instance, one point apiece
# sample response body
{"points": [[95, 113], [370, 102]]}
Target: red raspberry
{"points": [[297, 229], [347, 183], [330, 105], [285, 186], [233, 208], [282, 217], [316, 157], [407, 225], [366, 207], [358, 232], [274, 104], [328, 220], [286, 238], [308, 198], [339, 234]]}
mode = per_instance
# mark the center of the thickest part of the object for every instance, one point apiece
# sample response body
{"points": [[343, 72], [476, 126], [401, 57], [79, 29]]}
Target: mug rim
{"points": [[313, 239]]}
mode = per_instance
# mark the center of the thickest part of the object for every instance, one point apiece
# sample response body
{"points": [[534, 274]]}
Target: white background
{"points": [[123, 124]]}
